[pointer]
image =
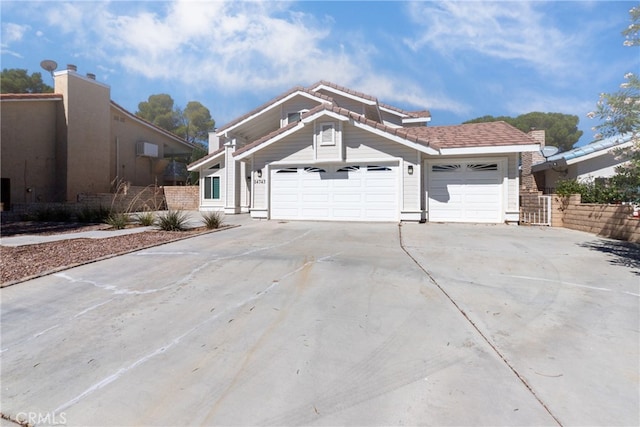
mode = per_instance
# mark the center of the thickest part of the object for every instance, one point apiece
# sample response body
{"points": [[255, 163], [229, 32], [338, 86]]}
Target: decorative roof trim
{"points": [[346, 93], [275, 102], [210, 158], [422, 146], [484, 149]]}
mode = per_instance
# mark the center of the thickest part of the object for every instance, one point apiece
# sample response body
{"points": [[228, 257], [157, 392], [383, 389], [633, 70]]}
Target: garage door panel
{"points": [[465, 191], [357, 194]]}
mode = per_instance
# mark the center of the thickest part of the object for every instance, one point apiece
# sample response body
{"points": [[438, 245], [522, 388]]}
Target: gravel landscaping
{"points": [[29, 261]]}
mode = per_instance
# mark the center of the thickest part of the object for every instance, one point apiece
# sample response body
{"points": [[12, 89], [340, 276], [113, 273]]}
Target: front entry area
{"points": [[362, 192], [466, 190]]}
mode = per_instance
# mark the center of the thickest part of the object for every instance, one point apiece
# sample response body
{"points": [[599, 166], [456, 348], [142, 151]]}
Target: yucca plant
{"points": [[146, 218], [118, 220], [213, 220], [172, 221]]}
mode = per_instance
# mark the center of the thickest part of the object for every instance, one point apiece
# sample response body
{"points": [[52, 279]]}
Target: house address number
{"points": [[260, 181]]}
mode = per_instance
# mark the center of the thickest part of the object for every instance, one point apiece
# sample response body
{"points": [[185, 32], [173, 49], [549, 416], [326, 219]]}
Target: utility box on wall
{"points": [[147, 149]]}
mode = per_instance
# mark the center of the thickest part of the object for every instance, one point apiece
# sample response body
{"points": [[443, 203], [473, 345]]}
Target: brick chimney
{"points": [[527, 180]]}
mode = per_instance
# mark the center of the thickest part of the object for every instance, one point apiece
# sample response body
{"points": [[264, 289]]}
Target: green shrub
{"points": [[172, 221], [92, 215], [567, 187], [146, 218], [591, 191], [213, 220], [53, 214], [118, 220]]}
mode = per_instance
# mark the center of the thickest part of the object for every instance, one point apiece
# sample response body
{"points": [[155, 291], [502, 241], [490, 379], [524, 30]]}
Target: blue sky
{"points": [[458, 59]]}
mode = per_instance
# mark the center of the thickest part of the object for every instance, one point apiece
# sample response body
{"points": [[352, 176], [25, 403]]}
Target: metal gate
{"points": [[537, 213]]}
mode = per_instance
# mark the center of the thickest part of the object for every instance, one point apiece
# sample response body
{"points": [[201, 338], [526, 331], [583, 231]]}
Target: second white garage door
{"points": [[465, 191], [338, 193]]}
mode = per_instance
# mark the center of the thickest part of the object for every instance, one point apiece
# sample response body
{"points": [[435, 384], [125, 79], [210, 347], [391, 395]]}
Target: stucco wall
{"points": [[87, 104], [29, 157]]}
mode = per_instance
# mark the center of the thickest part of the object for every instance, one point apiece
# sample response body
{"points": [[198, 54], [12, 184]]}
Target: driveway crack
{"points": [[474, 326]]}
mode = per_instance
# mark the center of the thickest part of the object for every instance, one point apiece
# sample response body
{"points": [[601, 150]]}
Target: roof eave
{"points": [[494, 149], [200, 164], [226, 129]]}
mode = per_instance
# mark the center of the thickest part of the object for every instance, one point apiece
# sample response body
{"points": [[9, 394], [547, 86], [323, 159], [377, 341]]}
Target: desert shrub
{"points": [[53, 214], [145, 218], [172, 221], [118, 220], [213, 220], [92, 215]]}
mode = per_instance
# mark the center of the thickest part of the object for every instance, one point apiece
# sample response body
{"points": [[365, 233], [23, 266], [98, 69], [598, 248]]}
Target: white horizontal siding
{"points": [[513, 190], [207, 203]]}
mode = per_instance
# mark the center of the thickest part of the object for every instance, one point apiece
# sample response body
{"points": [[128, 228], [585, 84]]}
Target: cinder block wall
{"points": [[614, 221], [182, 197], [134, 199]]}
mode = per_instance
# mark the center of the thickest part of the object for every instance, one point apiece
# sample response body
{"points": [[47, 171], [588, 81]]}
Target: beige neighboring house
{"points": [[326, 152], [59, 146]]}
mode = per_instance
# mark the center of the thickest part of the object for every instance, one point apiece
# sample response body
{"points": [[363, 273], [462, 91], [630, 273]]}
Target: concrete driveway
{"points": [[333, 324]]}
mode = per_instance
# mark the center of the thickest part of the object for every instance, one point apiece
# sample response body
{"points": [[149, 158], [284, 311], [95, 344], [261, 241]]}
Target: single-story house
{"points": [[594, 160], [326, 152], [58, 146]]}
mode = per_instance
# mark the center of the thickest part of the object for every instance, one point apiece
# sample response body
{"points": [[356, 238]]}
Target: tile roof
{"points": [[487, 134], [273, 101], [593, 147], [343, 89], [401, 132], [490, 134]]}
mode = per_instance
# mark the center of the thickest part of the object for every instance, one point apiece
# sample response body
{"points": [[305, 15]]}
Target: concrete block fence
{"points": [[613, 221], [132, 199]]}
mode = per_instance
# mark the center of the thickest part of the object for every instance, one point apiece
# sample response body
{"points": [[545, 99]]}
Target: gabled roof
{"points": [[152, 126], [400, 134], [499, 136], [482, 137], [346, 91], [473, 134], [270, 104], [368, 98], [208, 159]]}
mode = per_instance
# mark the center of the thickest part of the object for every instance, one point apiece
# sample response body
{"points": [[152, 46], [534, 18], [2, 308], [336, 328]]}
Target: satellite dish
{"points": [[49, 65], [549, 151]]}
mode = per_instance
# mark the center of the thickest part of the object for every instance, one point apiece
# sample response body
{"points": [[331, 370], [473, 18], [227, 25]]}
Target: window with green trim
{"points": [[212, 187]]}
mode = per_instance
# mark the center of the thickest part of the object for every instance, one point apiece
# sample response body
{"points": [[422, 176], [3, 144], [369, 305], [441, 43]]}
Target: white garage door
{"points": [[465, 191], [338, 193]]}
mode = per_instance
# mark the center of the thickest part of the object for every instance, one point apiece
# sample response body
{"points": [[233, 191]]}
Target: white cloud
{"points": [[400, 91], [514, 31], [13, 32], [227, 46]]}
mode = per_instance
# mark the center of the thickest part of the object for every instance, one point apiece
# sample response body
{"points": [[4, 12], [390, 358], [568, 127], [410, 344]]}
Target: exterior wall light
{"points": [[259, 172], [410, 169]]}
